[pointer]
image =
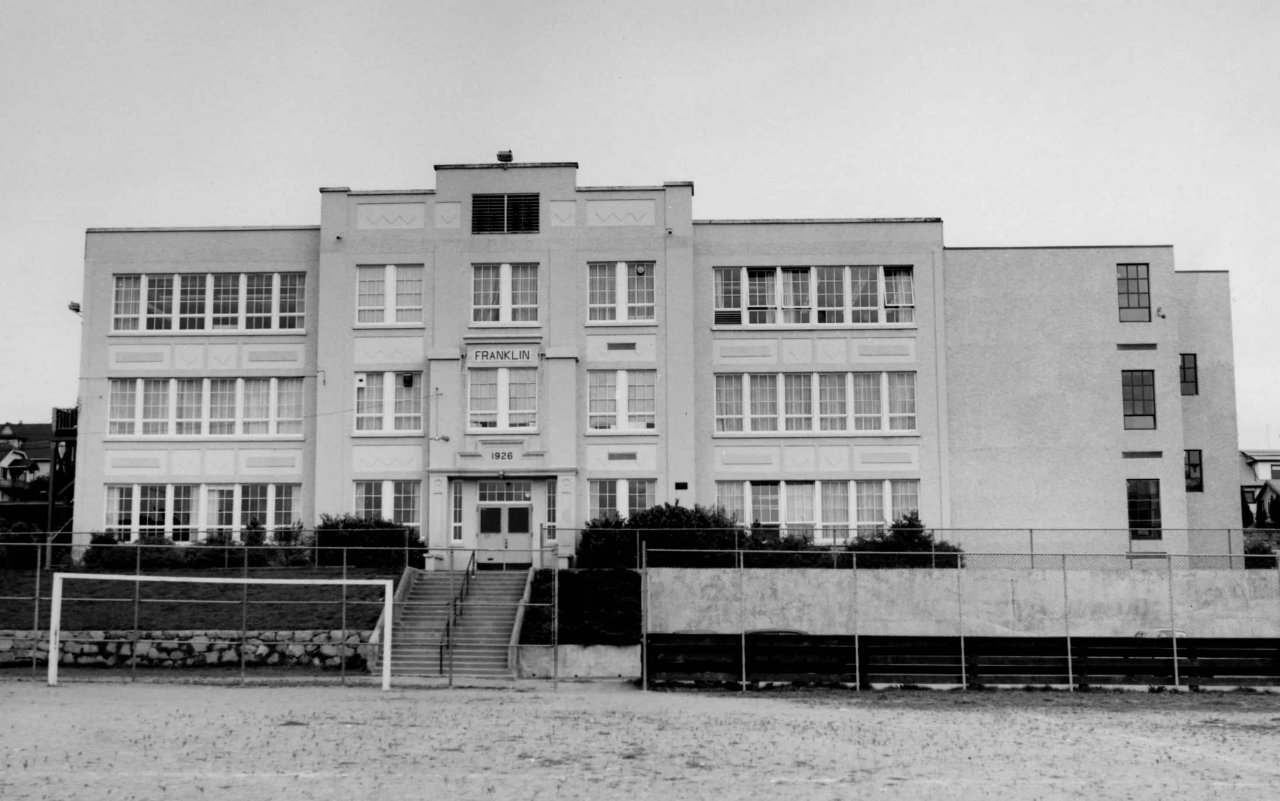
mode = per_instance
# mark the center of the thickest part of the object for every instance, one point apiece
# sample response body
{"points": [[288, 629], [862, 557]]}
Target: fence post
{"points": [[857, 628], [1066, 625], [1173, 624], [742, 613], [35, 617], [342, 642], [1031, 542], [644, 618], [555, 626], [137, 602], [964, 675], [244, 611]]}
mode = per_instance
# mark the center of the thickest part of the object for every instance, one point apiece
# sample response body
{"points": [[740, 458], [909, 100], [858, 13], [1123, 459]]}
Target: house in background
{"points": [[26, 452], [1257, 468], [499, 359]]}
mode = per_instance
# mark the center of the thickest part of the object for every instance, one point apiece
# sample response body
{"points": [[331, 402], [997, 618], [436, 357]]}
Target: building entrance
{"points": [[505, 534]]}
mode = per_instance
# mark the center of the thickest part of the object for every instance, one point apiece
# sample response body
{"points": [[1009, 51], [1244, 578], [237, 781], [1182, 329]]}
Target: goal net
{"points": [[382, 630]]}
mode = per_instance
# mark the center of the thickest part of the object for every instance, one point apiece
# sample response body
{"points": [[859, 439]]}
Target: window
{"points": [[176, 511], [551, 509], [504, 214], [621, 400], [502, 397], [192, 302], [259, 407], [504, 293], [406, 504], [620, 497], [390, 294], [1193, 466], [1189, 374], [620, 291], [1138, 388], [1134, 292], [816, 402], [820, 510], [389, 402], [823, 295], [456, 493], [1144, 508]]}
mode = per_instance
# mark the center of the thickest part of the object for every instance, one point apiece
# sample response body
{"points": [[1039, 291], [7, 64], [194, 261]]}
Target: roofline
{"points": [[510, 165], [822, 221], [182, 228], [1260, 455], [1205, 272], [620, 188], [1063, 247], [359, 192]]}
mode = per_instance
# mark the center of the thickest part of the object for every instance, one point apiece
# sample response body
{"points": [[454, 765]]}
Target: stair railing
{"points": [[455, 611]]}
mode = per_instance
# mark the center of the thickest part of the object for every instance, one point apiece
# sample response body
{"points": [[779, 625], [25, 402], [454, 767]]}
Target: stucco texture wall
{"points": [[1098, 603]]}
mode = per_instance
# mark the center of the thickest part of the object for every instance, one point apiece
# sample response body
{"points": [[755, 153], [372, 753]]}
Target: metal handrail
{"points": [[455, 610]]}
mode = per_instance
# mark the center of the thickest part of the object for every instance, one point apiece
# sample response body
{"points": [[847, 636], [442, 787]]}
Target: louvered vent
{"points": [[728, 317], [504, 214]]}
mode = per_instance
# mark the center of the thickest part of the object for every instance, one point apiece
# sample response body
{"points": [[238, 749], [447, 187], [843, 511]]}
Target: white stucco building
{"points": [[501, 358]]}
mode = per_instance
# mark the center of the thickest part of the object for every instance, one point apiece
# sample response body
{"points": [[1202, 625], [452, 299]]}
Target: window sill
{"points": [[534, 324], [621, 432], [621, 323], [386, 326], [204, 438], [220, 332], [813, 434], [506, 432], [818, 327], [416, 433]]}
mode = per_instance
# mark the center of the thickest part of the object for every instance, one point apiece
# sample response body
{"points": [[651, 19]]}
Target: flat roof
{"points": [[202, 228], [1059, 247], [822, 221], [508, 165]]}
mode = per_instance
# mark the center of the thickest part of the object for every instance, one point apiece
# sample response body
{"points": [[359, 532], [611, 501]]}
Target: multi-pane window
{"points": [[1138, 389], [822, 510], [502, 397], [209, 302], [456, 509], [504, 293], [389, 401], [551, 509], [185, 512], [1144, 508], [1134, 292], [620, 291], [504, 214], [816, 402], [205, 407], [1189, 374], [621, 400], [1193, 466], [822, 295], [620, 497], [391, 293], [397, 501]]}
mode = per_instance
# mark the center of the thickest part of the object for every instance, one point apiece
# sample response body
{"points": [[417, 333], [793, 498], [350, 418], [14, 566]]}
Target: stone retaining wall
{"points": [[178, 649]]}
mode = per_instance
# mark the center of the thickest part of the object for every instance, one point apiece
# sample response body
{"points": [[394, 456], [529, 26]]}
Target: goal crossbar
{"points": [[55, 613]]}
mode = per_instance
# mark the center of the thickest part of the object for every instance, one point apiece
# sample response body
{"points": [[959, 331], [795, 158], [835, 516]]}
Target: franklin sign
{"points": [[489, 354]]}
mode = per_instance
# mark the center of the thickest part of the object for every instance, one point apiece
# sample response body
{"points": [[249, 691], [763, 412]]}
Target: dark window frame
{"points": [[1133, 289], [1193, 469], [1189, 374], [1138, 392], [506, 213], [1143, 497]]}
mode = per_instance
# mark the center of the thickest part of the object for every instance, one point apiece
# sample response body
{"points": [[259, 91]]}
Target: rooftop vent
{"points": [[504, 156]]}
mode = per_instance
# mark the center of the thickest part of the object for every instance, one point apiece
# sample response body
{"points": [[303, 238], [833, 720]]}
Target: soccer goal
{"points": [[55, 612]]}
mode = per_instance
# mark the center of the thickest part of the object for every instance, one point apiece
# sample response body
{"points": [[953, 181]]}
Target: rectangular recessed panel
{"points": [[622, 457], [1136, 346], [1142, 454], [621, 346]]}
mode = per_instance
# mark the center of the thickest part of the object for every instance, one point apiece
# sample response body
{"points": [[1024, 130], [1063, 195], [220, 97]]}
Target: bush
{"points": [[614, 542], [1259, 554], [597, 607], [906, 543], [369, 543], [18, 546]]}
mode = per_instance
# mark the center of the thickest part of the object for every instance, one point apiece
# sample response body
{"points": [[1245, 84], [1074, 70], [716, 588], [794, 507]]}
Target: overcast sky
{"points": [[1017, 122]]}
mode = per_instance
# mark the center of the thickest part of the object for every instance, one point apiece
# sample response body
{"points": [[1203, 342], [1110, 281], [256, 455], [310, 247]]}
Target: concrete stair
{"points": [[482, 631]]}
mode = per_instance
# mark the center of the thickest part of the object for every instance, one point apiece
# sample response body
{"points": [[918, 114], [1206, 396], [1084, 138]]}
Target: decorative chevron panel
{"points": [[390, 216], [620, 212]]}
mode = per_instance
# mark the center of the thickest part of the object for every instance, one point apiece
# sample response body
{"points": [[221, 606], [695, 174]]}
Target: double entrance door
{"points": [[505, 534]]}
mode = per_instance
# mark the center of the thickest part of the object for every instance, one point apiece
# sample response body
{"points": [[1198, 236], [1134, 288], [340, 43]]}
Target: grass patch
{"points": [[109, 605]]}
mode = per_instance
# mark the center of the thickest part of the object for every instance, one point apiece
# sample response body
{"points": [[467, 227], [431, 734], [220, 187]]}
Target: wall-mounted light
{"points": [[74, 307]]}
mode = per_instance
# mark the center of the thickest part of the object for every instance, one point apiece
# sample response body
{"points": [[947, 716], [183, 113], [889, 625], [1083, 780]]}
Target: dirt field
{"points": [[601, 741]]}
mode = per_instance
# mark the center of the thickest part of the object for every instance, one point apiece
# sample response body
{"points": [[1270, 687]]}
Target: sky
{"points": [[1017, 122]]}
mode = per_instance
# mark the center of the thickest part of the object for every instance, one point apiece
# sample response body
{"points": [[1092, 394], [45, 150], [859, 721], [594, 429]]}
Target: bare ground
{"points": [[600, 741]]}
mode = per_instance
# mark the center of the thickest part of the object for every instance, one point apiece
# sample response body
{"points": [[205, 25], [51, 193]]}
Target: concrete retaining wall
{"points": [[1100, 603], [581, 661]]}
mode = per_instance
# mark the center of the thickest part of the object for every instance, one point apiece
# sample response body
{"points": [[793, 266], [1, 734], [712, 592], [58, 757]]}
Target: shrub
{"points": [[1259, 554], [597, 607], [612, 542], [18, 546], [368, 542], [906, 543]]}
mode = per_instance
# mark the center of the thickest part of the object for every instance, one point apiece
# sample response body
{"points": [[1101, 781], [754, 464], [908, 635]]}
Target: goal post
{"points": [[55, 611]]}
